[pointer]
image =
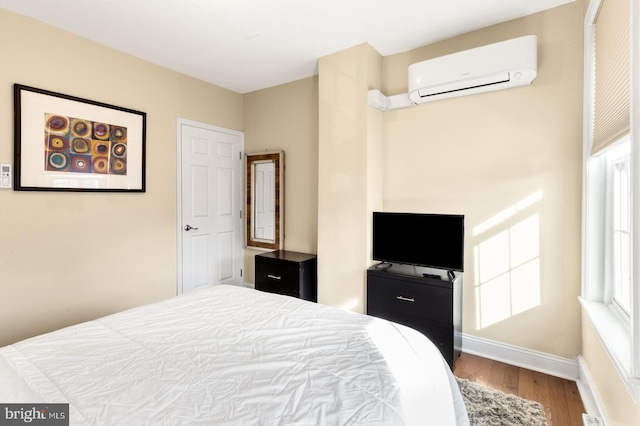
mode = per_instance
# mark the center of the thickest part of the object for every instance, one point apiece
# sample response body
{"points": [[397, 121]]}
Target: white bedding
{"points": [[235, 356]]}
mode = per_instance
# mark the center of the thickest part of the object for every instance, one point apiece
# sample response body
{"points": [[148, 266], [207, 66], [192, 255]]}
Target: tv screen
{"points": [[421, 239]]}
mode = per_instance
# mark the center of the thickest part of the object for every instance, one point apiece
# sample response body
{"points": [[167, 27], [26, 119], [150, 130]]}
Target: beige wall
{"points": [[621, 409], [68, 257], [286, 117], [484, 156], [346, 154]]}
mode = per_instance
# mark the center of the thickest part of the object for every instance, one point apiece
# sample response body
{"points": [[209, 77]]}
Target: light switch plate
{"points": [[5, 175]]}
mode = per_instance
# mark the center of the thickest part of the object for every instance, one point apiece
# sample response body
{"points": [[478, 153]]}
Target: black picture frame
{"points": [[67, 143]]}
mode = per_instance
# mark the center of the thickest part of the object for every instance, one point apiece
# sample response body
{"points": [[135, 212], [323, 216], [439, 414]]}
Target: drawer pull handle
{"points": [[274, 277], [406, 299]]}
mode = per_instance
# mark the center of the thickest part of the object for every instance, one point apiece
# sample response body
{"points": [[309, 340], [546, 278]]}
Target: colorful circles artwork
{"points": [[100, 165], [80, 146], [57, 143], [57, 123], [118, 166], [77, 145], [80, 163], [58, 162]]}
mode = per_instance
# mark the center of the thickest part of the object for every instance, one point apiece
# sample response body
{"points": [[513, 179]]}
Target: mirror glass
{"points": [[264, 210]]}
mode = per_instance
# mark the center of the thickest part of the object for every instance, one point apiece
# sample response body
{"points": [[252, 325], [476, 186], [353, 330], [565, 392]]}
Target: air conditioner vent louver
{"points": [[497, 66], [465, 85]]}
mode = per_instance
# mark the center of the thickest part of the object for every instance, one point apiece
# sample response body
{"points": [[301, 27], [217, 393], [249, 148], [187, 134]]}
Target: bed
{"points": [[230, 355]]}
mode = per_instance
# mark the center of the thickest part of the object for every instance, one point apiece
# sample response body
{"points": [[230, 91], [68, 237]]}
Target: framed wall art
{"points": [[66, 143]]}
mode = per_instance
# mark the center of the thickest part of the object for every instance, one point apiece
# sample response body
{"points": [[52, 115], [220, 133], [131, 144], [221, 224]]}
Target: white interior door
{"points": [[210, 206]]}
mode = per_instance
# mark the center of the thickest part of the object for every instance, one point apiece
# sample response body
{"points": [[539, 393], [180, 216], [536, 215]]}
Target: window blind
{"points": [[612, 74]]}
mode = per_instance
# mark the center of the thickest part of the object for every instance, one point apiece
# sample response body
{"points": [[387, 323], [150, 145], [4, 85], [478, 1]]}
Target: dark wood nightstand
{"points": [[287, 272]]}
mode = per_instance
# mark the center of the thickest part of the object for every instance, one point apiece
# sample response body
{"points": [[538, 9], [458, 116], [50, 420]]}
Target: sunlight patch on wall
{"points": [[507, 213], [507, 265], [351, 305]]}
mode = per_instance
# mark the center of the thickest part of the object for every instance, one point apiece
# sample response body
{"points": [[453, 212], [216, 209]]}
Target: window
{"points": [[611, 153], [618, 228]]}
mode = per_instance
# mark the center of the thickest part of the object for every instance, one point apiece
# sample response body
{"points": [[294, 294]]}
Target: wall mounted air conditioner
{"points": [[497, 66]]}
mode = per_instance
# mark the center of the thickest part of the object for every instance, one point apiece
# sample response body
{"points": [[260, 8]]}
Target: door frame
{"points": [[179, 122]]}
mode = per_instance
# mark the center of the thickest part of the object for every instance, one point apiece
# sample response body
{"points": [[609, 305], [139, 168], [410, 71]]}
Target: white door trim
{"points": [[183, 121]]}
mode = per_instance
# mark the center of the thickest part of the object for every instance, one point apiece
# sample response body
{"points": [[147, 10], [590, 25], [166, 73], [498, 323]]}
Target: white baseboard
{"points": [[521, 357], [590, 397]]}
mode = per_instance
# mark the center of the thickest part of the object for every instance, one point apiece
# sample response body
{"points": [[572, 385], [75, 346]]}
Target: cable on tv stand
{"points": [[432, 276], [383, 266], [450, 274]]}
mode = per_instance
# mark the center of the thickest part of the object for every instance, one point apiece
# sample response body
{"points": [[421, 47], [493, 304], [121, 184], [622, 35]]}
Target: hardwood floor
{"points": [[559, 397]]}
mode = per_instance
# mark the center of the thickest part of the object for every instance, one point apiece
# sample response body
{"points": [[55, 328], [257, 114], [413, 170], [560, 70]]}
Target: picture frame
{"points": [[67, 143]]}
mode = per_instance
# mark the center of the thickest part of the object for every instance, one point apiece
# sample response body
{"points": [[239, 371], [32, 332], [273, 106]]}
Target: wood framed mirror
{"points": [[265, 200]]}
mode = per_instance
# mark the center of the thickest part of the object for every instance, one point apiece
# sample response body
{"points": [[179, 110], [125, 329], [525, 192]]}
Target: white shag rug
{"points": [[490, 407]]}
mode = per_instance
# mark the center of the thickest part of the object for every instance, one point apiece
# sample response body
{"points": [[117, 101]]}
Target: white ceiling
{"points": [[247, 45]]}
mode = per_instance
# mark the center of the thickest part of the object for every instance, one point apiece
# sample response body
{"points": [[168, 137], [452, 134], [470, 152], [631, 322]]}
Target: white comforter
{"points": [[233, 356]]}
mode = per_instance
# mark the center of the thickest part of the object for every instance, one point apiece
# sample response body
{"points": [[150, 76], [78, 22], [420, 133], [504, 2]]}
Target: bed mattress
{"points": [[230, 355]]}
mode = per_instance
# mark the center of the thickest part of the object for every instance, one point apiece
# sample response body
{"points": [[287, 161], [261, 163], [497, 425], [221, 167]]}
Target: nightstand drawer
{"points": [[428, 302], [279, 278], [440, 334]]}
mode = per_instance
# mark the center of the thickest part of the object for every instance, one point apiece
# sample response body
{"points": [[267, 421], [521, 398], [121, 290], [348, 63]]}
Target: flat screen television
{"points": [[420, 239]]}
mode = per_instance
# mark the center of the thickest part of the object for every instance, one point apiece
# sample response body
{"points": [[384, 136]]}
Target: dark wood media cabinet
{"points": [[430, 305]]}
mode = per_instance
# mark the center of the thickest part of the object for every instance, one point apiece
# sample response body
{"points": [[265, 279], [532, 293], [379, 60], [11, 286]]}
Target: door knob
{"points": [[189, 228]]}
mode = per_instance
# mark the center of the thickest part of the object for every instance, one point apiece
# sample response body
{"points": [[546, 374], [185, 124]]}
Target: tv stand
{"points": [[428, 304]]}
